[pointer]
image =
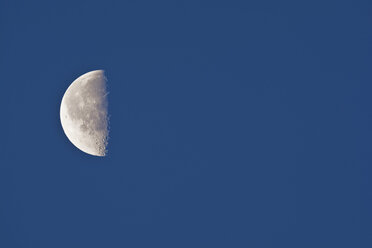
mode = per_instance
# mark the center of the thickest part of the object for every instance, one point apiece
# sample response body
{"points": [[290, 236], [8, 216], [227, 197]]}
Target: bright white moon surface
{"points": [[83, 113]]}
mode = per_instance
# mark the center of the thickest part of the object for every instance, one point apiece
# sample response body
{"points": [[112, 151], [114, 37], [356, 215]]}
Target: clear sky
{"points": [[233, 124]]}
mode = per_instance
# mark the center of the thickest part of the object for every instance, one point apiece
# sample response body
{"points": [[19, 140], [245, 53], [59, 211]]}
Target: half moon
{"points": [[83, 113]]}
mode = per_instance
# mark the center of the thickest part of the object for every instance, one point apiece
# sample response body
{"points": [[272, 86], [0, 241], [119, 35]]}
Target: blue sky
{"points": [[233, 124]]}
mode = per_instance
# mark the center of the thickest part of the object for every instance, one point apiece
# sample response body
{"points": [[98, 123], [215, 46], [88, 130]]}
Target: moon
{"points": [[84, 115]]}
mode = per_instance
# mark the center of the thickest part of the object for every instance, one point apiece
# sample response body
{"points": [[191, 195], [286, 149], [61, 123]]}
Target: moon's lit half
{"points": [[83, 113]]}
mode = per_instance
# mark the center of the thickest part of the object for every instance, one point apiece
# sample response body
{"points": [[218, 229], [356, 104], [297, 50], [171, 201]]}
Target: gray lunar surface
{"points": [[83, 113]]}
